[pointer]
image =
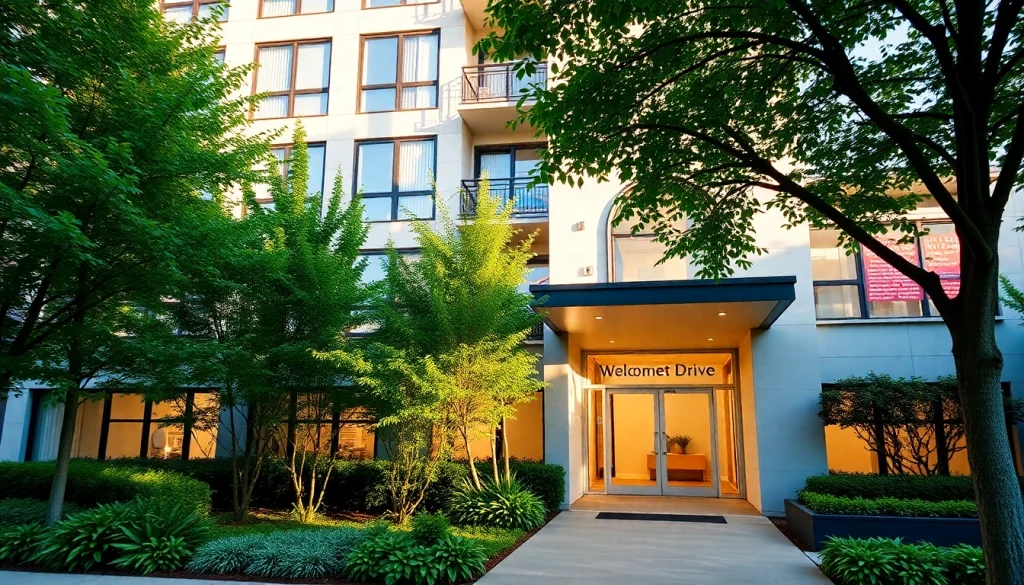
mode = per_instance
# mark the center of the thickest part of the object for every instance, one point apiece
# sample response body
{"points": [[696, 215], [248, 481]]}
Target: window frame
{"points": [[861, 283], [510, 149], [284, 163], [292, 92], [401, 3], [298, 10], [195, 7], [291, 421], [395, 194], [398, 85]]}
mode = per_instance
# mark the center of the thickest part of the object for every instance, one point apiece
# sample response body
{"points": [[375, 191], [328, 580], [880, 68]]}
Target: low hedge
{"points": [[355, 486], [931, 488], [829, 504], [881, 561], [97, 482], [18, 511]]}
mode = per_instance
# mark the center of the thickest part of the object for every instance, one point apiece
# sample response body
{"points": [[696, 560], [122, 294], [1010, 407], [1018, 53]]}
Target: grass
{"points": [[494, 540]]}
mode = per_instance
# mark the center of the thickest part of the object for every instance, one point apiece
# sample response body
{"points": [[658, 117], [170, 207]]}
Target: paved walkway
{"points": [[577, 549]]}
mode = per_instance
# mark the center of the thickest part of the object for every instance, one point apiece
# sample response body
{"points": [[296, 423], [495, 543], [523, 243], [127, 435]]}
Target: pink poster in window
{"points": [[942, 256], [883, 282]]}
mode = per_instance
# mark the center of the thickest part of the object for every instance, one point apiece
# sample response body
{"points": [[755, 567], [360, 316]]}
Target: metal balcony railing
{"points": [[524, 197], [498, 82], [536, 333]]}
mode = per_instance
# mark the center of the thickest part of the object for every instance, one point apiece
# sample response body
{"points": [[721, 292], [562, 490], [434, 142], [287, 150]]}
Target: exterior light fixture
{"points": [[599, 317], [721, 314], [711, 338], [611, 341]]}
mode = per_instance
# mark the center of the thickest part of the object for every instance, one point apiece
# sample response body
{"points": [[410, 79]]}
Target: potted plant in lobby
{"points": [[678, 443]]}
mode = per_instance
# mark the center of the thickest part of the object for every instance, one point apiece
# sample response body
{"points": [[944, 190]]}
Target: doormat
{"points": [[661, 517]]}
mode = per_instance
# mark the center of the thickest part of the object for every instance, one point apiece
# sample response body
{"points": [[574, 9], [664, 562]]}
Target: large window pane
{"points": [[895, 309], [419, 97], [310, 104], [278, 7], [380, 3], [272, 107], [416, 207], [636, 259], [205, 423], [275, 72], [178, 14], [314, 6], [380, 61], [377, 209], [497, 165], [837, 302], [419, 56], [166, 431], [379, 100], [127, 406], [828, 260], [123, 439], [376, 167], [316, 169], [314, 66], [416, 165], [206, 11]]}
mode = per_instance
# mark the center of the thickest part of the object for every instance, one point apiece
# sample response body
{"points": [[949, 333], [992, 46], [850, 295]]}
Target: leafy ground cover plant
{"points": [[882, 561], [887, 506], [19, 544], [395, 558], [159, 538], [288, 554], [502, 504], [83, 541]]}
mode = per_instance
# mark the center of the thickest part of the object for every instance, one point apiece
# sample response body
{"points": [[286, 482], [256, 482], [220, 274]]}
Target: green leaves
{"points": [[396, 559], [502, 504], [881, 561], [888, 506]]}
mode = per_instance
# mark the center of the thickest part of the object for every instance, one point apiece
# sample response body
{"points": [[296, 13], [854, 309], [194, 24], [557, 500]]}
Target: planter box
{"points": [[813, 528]]}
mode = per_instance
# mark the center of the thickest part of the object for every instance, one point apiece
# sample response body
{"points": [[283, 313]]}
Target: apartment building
{"points": [[659, 384]]}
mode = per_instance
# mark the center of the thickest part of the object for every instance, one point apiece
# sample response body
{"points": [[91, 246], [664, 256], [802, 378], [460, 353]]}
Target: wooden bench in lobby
{"points": [[681, 466]]}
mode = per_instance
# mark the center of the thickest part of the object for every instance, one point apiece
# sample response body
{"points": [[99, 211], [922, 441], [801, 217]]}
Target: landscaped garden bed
{"points": [[881, 561], [122, 521], [937, 510]]}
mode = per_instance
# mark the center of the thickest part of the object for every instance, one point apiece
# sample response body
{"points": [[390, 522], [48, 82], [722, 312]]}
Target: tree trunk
{"points": [[55, 509], [504, 448], [979, 365], [494, 455], [472, 466]]}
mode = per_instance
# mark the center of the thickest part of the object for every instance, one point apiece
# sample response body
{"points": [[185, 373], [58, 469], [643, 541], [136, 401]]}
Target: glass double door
{"points": [[661, 442]]}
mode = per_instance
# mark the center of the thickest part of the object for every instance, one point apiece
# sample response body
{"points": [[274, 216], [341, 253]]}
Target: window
{"points": [[314, 186], [182, 12], [272, 8], [399, 72], [636, 257], [295, 76], [862, 285], [314, 422], [220, 55], [128, 425], [387, 3], [511, 173], [395, 178]]}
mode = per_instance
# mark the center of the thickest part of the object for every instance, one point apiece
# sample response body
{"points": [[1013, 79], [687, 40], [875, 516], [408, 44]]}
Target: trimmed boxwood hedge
{"points": [[354, 485], [97, 482], [932, 488], [829, 504]]}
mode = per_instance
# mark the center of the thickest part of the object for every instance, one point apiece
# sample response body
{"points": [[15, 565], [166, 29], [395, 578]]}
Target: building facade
{"points": [[657, 383]]}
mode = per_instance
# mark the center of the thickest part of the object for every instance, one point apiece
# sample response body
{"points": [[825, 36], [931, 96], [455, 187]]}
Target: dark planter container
{"points": [[814, 529]]}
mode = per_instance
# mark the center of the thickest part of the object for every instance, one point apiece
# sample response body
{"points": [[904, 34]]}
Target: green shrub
{"points": [[18, 511], [19, 544], [829, 504], [428, 529], [226, 556], [83, 541], [97, 482], [354, 485], [881, 561], [505, 504], [395, 558], [158, 537], [933, 488], [289, 554]]}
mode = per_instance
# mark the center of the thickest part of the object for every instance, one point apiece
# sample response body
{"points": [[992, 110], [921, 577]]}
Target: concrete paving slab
{"points": [[576, 549]]}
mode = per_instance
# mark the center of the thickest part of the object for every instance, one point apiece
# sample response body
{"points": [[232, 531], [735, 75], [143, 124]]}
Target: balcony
{"points": [[536, 333], [491, 91], [526, 199]]}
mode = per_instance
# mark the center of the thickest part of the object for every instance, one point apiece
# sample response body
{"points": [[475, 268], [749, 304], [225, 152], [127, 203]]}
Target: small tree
{"points": [[307, 308]]}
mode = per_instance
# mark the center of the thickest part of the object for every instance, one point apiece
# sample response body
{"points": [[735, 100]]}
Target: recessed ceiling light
{"points": [[721, 314], [599, 317], [611, 341], [711, 338]]}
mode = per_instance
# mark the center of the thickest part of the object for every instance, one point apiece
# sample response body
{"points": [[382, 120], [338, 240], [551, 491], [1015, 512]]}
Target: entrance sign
{"points": [[883, 282], [942, 256], [645, 369]]}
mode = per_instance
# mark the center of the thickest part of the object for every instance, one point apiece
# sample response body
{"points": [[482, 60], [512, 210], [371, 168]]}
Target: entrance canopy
{"points": [[664, 314]]}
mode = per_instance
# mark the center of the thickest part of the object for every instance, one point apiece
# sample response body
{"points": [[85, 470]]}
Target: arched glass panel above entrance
{"points": [[635, 254]]}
